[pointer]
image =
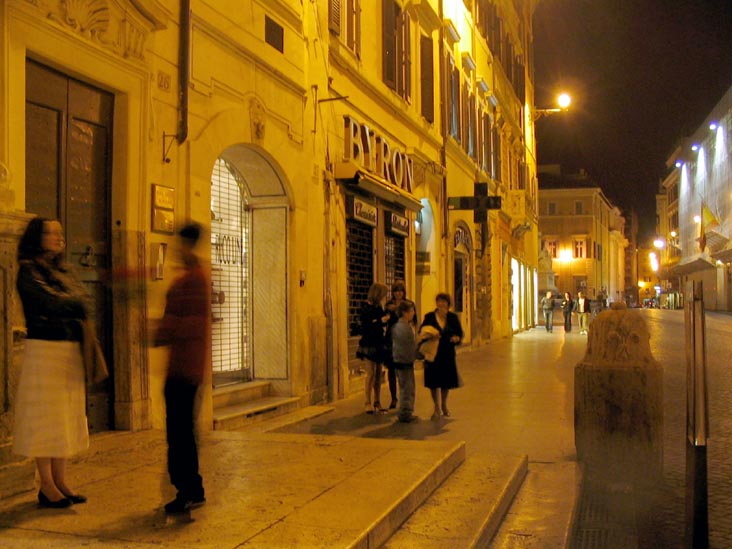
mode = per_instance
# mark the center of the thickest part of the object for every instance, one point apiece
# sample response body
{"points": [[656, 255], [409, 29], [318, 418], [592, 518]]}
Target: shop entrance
{"points": [[249, 207], [462, 281], [68, 166]]}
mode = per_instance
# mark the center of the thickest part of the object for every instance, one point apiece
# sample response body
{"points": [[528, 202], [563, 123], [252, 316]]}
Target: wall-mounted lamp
{"points": [[563, 100], [713, 126], [695, 147]]}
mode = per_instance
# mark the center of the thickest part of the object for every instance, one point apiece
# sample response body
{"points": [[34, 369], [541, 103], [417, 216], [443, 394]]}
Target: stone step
{"points": [[238, 393], [466, 511], [544, 511], [234, 416], [365, 514]]}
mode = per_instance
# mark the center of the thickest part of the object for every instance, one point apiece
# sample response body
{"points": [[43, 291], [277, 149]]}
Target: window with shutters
{"points": [[455, 130], [396, 49], [496, 153], [580, 248], [465, 115], [472, 128], [486, 145], [427, 77], [344, 20]]}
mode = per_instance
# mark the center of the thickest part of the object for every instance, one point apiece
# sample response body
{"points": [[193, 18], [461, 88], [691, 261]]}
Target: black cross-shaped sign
{"points": [[480, 203]]}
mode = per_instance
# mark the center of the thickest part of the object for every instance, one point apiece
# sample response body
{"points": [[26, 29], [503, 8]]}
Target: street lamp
{"points": [[563, 102]]}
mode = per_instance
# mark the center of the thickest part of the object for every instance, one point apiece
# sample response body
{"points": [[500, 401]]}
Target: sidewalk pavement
{"points": [[344, 478]]}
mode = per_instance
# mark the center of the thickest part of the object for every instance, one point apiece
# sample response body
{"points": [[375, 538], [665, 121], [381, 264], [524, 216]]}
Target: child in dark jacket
{"points": [[404, 351]]}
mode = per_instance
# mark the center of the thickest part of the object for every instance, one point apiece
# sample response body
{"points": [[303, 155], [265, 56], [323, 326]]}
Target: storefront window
{"points": [[359, 259]]}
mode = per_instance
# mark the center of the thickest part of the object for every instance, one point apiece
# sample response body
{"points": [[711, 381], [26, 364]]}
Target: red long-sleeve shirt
{"points": [[186, 325]]}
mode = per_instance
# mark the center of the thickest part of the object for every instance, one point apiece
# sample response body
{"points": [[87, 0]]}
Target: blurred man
{"points": [[547, 305], [583, 312], [185, 328]]}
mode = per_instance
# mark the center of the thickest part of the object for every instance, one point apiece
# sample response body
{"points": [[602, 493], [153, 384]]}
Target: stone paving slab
{"points": [[263, 490], [467, 509], [543, 512]]}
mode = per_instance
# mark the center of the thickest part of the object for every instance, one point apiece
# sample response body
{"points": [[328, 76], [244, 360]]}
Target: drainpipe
{"points": [[184, 69], [444, 113]]}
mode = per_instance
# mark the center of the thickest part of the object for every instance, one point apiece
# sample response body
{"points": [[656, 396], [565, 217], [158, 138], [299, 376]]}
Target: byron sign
{"points": [[373, 153]]}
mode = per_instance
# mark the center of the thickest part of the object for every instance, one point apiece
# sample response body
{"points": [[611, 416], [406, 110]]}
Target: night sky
{"points": [[642, 74]]}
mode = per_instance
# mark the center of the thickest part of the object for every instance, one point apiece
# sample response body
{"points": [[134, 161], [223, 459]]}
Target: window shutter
{"points": [[357, 26], [334, 16], [446, 97], [427, 77], [389, 43], [353, 25], [406, 67]]}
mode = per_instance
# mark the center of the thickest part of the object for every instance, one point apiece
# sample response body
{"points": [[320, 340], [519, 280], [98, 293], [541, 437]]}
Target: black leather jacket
{"points": [[51, 312]]}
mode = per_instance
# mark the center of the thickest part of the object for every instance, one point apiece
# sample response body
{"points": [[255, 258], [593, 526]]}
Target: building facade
{"points": [[695, 210], [584, 235], [319, 143]]}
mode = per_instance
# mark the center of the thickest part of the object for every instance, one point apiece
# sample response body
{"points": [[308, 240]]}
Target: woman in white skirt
{"points": [[50, 406]]}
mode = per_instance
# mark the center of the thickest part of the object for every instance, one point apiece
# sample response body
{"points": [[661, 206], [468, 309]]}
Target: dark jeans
{"points": [[405, 372], [392, 377], [548, 319], [182, 451], [567, 322]]}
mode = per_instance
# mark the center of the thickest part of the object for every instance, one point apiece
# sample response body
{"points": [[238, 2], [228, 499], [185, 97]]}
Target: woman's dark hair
{"points": [[399, 285], [31, 243], [568, 294], [444, 297]]}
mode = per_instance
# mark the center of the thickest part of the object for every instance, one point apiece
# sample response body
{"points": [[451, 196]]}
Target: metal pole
{"points": [[697, 419]]}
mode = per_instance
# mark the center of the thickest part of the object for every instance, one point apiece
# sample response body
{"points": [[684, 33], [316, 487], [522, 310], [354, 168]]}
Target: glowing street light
{"points": [[563, 100]]}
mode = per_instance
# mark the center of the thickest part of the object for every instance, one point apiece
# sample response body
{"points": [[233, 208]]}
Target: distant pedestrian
{"points": [[583, 308], [403, 351], [50, 406], [547, 306], [372, 345], [185, 327], [398, 295], [441, 374], [568, 307]]}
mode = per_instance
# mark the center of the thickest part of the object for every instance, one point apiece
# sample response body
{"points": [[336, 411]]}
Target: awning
{"points": [[725, 256], [699, 263], [352, 176]]}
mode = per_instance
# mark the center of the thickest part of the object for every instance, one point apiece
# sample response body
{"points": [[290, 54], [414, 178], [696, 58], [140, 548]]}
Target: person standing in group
{"points": [[568, 307], [547, 306], [50, 407], [582, 307], [404, 352], [441, 374], [372, 346], [185, 328], [398, 296]]}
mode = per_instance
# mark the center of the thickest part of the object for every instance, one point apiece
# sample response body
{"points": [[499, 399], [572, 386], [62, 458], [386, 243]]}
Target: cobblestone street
{"points": [[659, 514]]}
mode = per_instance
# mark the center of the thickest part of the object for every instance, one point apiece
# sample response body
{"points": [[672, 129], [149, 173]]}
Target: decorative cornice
{"points": [[116, 25]]}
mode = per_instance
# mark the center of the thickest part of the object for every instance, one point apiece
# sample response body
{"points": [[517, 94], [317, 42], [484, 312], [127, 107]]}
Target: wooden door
{"points": [[68, 167]]}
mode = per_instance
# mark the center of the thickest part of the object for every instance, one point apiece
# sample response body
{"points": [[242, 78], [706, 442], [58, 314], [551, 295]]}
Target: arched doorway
{"points": [[249, 207], [463, 280]]}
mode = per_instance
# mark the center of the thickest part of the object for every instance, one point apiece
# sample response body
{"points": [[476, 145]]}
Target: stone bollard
{"points": [[618, 401]]}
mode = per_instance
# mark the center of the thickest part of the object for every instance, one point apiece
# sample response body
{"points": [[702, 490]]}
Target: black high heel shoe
{"points": [[75, 498], [43, 501]]}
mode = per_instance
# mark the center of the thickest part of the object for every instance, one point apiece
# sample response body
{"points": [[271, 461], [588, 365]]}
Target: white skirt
{"points": [[50, 405]]}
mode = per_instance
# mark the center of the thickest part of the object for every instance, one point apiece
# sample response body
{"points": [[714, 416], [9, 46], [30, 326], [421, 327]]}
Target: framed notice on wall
{"points": [[163, 209]]}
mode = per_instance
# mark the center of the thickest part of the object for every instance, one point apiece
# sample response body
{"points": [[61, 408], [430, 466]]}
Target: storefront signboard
{"points": [[363, 211], [397, 224], [372, 152]]}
